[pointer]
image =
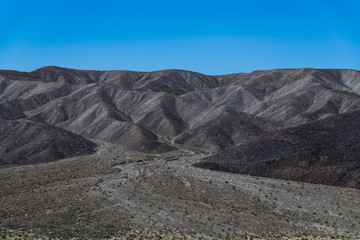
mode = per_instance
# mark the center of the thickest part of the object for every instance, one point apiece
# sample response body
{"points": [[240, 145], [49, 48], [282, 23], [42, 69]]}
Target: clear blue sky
{"points": [[212, 37]]}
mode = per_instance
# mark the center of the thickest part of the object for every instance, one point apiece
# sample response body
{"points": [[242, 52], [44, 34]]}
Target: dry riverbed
{"points": [[122, 194]]}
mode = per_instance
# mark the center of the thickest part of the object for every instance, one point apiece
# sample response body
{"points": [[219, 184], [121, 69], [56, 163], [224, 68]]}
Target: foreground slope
{"points": [[118, 194]]}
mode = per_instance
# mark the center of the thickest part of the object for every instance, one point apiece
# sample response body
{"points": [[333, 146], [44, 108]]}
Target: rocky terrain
{"points": [[101, 154], [121, 194]]}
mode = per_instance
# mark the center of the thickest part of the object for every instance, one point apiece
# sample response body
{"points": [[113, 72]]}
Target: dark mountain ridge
{"points": [[325, 151]]}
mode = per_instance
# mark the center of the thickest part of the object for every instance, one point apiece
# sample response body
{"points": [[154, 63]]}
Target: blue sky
{"points": [[212, 37]]}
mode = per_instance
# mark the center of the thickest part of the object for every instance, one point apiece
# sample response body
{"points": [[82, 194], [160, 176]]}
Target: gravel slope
{"points": [[125, 193]]}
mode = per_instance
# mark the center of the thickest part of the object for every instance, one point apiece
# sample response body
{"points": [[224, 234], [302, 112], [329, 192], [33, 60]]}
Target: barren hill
{"points": [[25, 142], [161, 111], [326, 151]]}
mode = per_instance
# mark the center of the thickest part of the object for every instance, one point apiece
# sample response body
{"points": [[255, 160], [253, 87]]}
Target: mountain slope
{"points": [[325, 151], [25, 142], [161, 111]]}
